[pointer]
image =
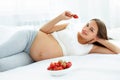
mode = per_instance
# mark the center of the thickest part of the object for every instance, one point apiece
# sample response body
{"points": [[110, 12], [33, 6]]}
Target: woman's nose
{"points": [[86, 29]]}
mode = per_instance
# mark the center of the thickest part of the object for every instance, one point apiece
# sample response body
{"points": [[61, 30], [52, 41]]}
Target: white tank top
{"points": [[68, 41]]}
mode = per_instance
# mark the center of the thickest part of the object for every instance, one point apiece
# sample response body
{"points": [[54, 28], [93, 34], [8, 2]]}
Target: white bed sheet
{"points": [[88, 67]]}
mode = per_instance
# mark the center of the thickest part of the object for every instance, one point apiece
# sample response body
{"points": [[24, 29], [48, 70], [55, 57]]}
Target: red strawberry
{"points": [[60, 62], [52, 65], [75, 16], [49, 68], [59, 68], [64, 65], [69, 64]]}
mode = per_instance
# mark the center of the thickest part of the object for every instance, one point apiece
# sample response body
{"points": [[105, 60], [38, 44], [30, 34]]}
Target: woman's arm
{"points": [[101, 50], [51, 25], [109, 47], [58, 27]]}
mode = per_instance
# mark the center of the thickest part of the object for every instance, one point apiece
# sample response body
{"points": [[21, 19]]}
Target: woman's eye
{"points": [[91, 30], [87, 25]]}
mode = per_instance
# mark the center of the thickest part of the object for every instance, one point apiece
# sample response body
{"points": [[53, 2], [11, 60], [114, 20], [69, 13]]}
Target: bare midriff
{"points": [[45, 46]]}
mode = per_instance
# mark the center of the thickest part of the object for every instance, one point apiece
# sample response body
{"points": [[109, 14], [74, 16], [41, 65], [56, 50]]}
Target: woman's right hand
{"points": [[66, 15]]}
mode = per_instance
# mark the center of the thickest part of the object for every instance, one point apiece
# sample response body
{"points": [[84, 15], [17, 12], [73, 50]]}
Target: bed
{"points": [[87, 67]]}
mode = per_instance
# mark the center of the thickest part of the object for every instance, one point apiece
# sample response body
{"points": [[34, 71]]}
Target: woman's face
{"points": [[89, 31]]}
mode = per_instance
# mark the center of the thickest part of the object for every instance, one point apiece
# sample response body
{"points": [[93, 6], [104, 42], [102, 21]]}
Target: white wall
{"points": [[32, 12]]}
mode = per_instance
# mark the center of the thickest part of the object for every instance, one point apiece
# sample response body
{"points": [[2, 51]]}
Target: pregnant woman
{"points": [[55, 40]]}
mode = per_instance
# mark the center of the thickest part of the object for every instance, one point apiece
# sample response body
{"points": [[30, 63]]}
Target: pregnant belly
{"points": [[44, 47]]}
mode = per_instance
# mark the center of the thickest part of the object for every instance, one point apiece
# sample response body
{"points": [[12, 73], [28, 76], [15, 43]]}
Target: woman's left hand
{"points": [[93, 40]]}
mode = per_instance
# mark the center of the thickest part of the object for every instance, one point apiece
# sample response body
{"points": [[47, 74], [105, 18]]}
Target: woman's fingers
{"points": [[68, 14]]}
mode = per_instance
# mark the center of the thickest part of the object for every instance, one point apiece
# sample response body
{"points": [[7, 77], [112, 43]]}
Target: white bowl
{"points": [[59, 72]]}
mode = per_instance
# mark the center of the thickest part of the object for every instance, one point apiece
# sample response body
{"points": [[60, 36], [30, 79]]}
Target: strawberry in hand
{"points": [[68, 14], [75, 16]]}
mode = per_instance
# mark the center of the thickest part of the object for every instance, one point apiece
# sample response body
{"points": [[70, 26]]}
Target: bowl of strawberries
{"points": [[60, 67]]}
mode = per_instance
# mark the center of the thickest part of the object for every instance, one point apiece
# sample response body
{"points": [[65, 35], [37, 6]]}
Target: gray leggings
{"points": [[16, 50]]}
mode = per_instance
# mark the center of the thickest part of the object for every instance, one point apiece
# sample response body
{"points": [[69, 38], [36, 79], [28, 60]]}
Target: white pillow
{"points": [[114, 33]]}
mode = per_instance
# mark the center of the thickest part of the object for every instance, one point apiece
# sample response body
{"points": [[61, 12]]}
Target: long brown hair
{"points": [[102, 31]]}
